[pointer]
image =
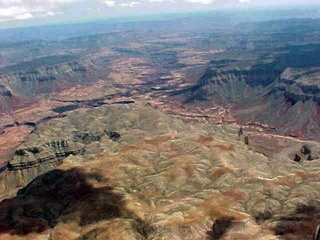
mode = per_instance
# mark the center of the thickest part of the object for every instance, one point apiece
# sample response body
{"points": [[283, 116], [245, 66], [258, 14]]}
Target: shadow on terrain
{"points": [[219, 228], [302, 224], [59, 195]]}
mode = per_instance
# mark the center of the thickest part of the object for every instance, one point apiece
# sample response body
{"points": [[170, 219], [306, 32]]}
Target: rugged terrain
{"points": [[158, 179], [266, 79], [200, 127], [231, 71]]}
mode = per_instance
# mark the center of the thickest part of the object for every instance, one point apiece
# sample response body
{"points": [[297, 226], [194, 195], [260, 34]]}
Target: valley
{"points": [[190, 128]]}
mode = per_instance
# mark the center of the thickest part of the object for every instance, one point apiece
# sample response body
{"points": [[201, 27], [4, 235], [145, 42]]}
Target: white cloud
{"points": [[186, 1], [12, 12], [130, 4], [160, 1], [201, 1], [51, 14], [110, 3], [24, 16], [26, 9]]}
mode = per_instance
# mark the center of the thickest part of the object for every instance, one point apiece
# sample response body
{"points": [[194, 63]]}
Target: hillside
{"points": [[159, 179]]}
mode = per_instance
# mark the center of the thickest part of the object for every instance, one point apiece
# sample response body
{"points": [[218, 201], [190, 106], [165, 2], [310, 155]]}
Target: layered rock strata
{"points": [[30, 157]]}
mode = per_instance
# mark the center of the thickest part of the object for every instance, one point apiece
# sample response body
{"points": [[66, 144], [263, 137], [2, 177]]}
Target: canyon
{"points": [[190, 128]]}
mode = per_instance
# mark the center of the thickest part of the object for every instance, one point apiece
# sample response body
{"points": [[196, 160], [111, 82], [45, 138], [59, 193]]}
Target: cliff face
{"points": [[299, 85], [269, 92], [43, 80], [9, 100], [53, 74], [53, 151], [226, 85], [291, 104], [33, 157], [228, 80], [31, 161]]}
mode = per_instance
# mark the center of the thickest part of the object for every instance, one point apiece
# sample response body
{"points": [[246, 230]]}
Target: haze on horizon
{"points": [[15, 13]]}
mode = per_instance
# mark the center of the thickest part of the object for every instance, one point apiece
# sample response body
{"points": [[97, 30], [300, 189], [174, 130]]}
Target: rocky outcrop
{"points": [[30, 157], [9, 100], [225, 84], [298, 85], [113, 135], [46, 74], [297, 158], [307, 152], [88, 137], [57, 150], [5, 91], [243, 137]]}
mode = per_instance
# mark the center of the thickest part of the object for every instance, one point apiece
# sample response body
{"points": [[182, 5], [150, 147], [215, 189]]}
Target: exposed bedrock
{"points": [[33, 158], [299, 85], [307, 152], [229, 84], [88, 137], [53, 151], [5, 92], [34, 78], [9, 100], [283, 97]]}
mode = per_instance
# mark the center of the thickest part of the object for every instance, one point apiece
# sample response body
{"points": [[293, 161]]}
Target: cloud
{"points": [[185, 1], [26, 9], [130, 4], [12, 11], [109, 3], [24, 16], [201, 1], [159, 1], [51, 14]]}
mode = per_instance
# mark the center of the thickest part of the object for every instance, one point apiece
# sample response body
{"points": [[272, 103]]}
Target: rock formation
{"points": [[306, 151], [243, 137], [86, 138], [49, 152], [113, 135], [297, 158]]}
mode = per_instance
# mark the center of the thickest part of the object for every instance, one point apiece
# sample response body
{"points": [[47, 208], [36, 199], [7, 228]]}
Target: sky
{"points": [[47, 11]]}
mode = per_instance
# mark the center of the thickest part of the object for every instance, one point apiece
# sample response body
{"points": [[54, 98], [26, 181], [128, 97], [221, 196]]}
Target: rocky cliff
{"points": [[10, 100], [51, 74], [225, 85], [291, 104], [53, 151], [280, 91], [299, 85]]}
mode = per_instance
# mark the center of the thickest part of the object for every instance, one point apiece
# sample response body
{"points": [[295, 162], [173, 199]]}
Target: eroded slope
{"points": [[161, 179]]}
